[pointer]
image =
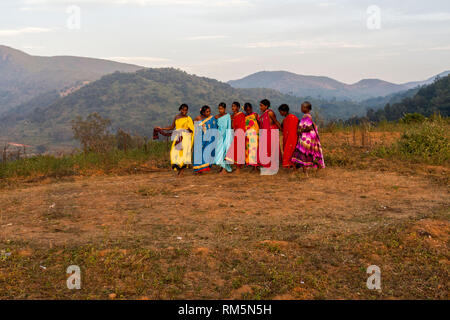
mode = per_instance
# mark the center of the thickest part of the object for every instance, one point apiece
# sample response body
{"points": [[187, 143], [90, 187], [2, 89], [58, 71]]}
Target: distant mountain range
{"points": [[324, 87], [138, 102], [40, 96], [23, 77]]}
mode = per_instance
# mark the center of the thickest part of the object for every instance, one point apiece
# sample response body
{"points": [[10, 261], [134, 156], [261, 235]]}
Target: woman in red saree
{"points": [[236, 153], [268, 121], [290, 127]]}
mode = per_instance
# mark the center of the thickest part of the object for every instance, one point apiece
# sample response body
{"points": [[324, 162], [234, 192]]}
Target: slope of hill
{"points": [[23, 76], [415, 84], [324, 87], [380, 102], [139, 101], [434, 98]]}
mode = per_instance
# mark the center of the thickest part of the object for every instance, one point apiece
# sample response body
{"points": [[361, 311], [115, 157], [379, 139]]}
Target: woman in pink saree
{"points": [[308, 152]]}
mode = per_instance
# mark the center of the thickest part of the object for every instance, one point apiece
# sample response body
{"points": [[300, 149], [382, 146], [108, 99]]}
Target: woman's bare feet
{"points": [[305, 172]]}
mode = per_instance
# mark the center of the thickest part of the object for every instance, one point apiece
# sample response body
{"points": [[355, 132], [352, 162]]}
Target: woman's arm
{"points": [[306, 129], [168, 128], [274, 119]]}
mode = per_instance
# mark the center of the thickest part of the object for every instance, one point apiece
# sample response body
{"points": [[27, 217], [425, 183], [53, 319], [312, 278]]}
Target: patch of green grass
{"points": [[85, 163]]}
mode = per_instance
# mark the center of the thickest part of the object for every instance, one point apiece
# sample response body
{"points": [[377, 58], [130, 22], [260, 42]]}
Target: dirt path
{"points": [[247, 218]]}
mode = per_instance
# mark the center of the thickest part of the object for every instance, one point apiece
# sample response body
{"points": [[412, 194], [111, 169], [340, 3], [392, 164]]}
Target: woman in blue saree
{"points": [[204, 122], [225, 138]]}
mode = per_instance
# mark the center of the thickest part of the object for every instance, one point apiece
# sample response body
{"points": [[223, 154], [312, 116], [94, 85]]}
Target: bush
{"points": [[412, 118], [427, 142]]}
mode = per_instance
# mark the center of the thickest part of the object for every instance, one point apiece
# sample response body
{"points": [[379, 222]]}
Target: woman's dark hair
{"points": [[283, 107], [237, 104], [203, 109], [247, 105], [266, 103], [307, 104], [223, 105], [184, 105]]}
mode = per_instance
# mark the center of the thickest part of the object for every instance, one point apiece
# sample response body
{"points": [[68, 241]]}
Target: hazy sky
{"points": [[229, 39]]}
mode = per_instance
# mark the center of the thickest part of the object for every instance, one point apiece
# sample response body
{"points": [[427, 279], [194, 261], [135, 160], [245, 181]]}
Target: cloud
{"points": [[205, 3], [437, 17], [143, 61], [423, 17], [33, 47], [220, 62], [16, 32], [326, 4], [440, 48], [306, 44], [212, 37]]}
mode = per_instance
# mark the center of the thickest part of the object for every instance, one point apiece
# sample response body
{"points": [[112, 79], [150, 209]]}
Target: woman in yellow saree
{"points": [[183, 138], [252, 136]]}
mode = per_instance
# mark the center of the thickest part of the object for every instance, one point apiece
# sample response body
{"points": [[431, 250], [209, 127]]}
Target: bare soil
{"points": [[156, 236]]}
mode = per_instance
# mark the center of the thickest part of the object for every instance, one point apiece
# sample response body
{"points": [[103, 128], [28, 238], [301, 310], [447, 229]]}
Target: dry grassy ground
{"points": [[153, 236]]}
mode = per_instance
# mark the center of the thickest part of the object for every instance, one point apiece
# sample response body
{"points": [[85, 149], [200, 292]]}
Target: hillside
{"points": [[415, 84], [324, 87], [380, 102], [434, 98], [23, 76], [139, 101]]}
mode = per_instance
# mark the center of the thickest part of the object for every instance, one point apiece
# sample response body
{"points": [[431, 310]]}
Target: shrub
{"points": [[427, 142], [412, 118]]}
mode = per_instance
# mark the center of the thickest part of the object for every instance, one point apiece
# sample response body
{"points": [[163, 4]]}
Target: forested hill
{"points": [[23, 76], [139, 101], [434, 98]]}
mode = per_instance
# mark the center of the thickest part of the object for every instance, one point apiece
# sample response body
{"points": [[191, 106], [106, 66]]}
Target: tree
{"points": [[93, 133]]}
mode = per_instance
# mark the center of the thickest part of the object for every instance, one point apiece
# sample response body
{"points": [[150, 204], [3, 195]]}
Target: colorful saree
{"points": [[251, 139], [201, 129], [264, 121], [308, 152], [290, 127], [224, 141], [235, 155], [181, 152]]}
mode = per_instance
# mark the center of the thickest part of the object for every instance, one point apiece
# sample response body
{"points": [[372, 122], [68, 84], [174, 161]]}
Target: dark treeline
{"points": [[431, 99]]}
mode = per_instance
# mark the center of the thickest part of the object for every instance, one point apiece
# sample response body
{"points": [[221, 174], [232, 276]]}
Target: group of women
{"points": [[300, 146]]}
